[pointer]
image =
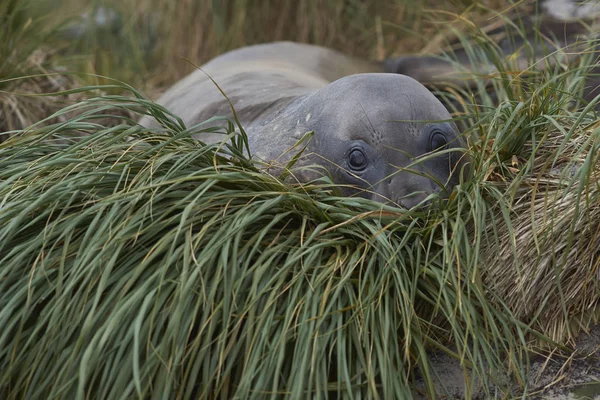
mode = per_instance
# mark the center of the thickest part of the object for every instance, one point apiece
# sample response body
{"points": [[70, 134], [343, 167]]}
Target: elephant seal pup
{"points": [[375, 134]]}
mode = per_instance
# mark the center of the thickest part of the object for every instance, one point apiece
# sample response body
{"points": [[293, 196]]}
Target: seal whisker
{"points": [[376, 136]]}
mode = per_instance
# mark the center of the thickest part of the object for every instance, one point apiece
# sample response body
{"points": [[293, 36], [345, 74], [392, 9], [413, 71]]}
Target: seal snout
{"points": [[407, 189]]}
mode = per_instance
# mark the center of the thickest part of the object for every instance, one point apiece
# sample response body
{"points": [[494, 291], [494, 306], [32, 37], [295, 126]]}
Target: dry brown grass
{"points": [[25, 101], [545, 267]]}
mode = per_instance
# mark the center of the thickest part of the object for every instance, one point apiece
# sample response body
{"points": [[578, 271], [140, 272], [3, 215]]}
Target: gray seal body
{"points": [[378, 135]]}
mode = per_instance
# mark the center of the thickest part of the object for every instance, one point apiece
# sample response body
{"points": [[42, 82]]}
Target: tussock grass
{"points": [[139, 263], [537, 139], [544, 263]]}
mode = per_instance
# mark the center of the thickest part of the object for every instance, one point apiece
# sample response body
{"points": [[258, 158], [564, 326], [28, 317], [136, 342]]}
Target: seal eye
{"points": [[357, 160], [438, 141]]}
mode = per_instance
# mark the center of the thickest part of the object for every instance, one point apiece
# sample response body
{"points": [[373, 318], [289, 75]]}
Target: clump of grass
{"points": [[141, 263], [537, 140], [544, 263], [551, 248]]}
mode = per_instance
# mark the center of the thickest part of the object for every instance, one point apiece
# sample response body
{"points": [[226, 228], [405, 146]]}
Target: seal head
{"points": [[380, 136]]}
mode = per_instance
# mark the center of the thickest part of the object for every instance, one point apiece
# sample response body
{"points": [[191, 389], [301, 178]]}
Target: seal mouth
{"points": [[413, 200], [408, 190], [417, 199]]}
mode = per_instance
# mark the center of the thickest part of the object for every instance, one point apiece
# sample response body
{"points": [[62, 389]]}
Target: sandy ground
{"points": [[566, 377], [579, 377]]}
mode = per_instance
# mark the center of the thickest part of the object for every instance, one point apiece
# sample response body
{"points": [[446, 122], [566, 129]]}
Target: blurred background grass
{"points": [[147, 42]]}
